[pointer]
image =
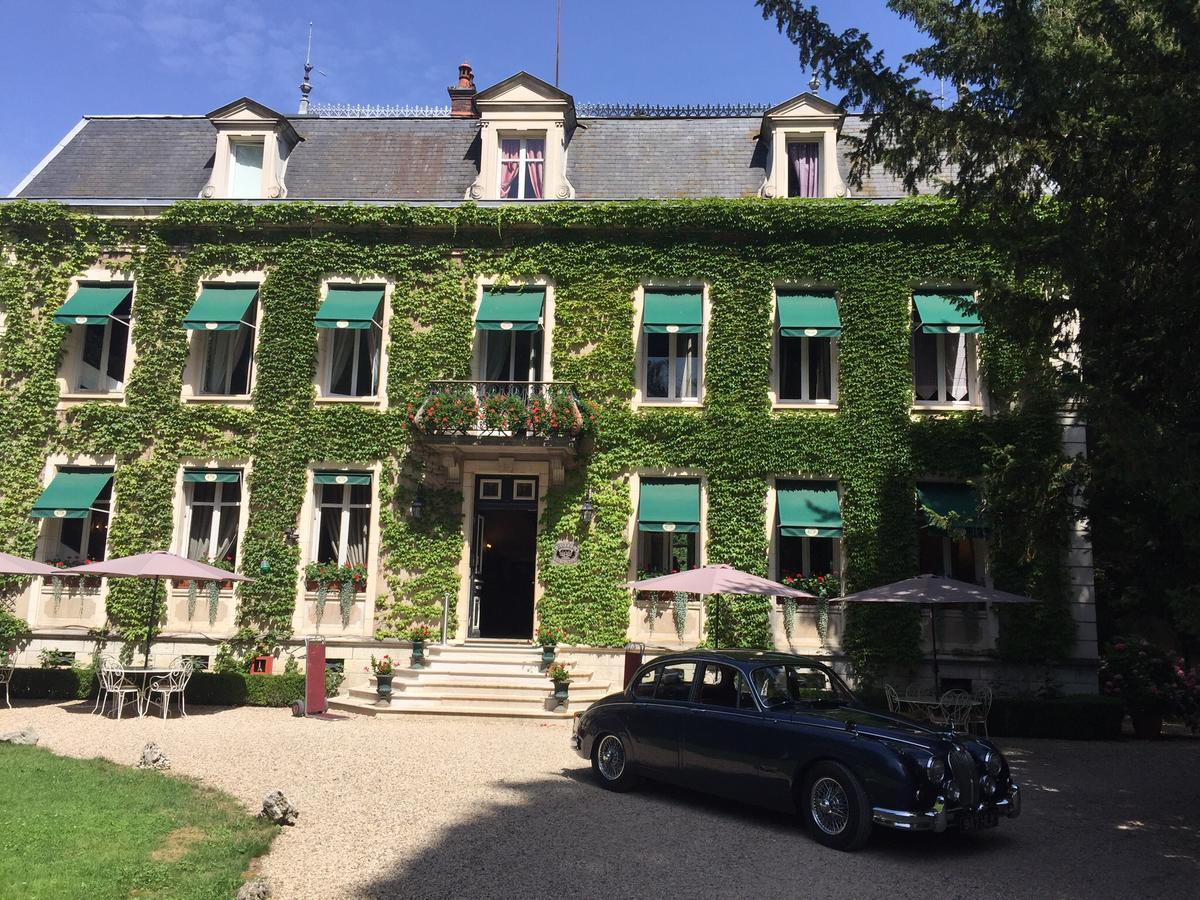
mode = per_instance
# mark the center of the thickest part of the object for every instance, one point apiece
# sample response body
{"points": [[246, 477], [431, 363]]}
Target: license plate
{"points": [[977, 821]]}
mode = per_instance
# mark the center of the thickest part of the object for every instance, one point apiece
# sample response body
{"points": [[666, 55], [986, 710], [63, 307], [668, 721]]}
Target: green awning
{"points": [[92, 304], [669, 505], [948, 313], [519, 310], [673, 313], [342, 478], [349, 308], [211, 476], [71, 495], [219, 308], [809, 315], [809, 509], [958, 499]]}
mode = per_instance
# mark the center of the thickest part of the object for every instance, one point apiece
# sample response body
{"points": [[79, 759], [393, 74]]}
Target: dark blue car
{"points": [[784, 732]]}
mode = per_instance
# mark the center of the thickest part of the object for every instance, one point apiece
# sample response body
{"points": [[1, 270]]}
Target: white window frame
{"points": [[673, 364], [490, 488], [528, 484], [787, 162], [532, 373], [207, 337], [980, 548], [835, 559], [88, 529], [344, 512], [665, 537], [221, 508], [522, 162], [974, 395], [805, 386], [234, 143], [327, 367]]}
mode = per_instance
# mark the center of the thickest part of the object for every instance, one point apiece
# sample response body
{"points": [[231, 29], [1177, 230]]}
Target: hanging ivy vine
{"points": [[596, 255]]}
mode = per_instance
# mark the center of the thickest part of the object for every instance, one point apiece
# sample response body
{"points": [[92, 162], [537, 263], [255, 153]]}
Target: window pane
{"points": [[790, 374], [929, 553], [956, 366], [676, 681], [364, 382], [341, 362], [98, 539], [962, 560], [93, 357], [658, 349], [687, 370], [70, 539], [535, 152], [231, 492], [510, 152], [683, 550], [820, 554], [227, 532], [331, 494], [198, 536], [804, 169], [360, 495], [218, 352], [719, 686], [329, 532], [791, 556], [246, 164], [118, 344], [644, 686], [356, 541], [522, 354], [925, 379], [820, 372], [498, 347]]}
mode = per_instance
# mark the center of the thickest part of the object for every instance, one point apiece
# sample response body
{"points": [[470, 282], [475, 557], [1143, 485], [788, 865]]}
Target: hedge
{"points": [[204, 688], [1084, 717]]}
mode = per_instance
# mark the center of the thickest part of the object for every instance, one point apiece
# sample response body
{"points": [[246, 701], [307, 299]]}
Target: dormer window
{"points": [[522, 168], [245, 168], [804, 169], [251, 154], [801, 142]]}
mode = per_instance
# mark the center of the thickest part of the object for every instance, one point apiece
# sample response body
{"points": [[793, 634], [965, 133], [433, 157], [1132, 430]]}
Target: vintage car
{"points": [[784, 732]]}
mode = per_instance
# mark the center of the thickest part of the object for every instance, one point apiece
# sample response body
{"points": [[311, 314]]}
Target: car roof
{"points": [[745, 657]]}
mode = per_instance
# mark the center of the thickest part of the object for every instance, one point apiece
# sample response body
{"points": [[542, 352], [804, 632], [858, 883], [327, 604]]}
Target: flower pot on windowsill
{"points": [[181, 584], [333, 587]]}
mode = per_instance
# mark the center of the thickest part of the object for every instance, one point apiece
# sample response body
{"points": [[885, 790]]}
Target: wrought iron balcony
{"points": [[549, 412]]}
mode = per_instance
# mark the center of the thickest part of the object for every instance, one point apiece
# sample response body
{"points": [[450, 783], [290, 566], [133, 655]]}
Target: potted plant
{"points": [[451, 409], [504, 412], [383, 670], [548, 639], [560, 674], [1152, 682], [419, 635], [553, 414], [823, 587]]}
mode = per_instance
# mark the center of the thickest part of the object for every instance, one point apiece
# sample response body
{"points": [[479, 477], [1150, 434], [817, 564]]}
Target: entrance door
{"points": [[505, 554]]}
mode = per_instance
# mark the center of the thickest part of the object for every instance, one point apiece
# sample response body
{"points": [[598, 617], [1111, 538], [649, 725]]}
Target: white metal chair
{"points": [[954, 710], [979, 714], [893, 699], [6, 673], [175, 682], [113, 684]]}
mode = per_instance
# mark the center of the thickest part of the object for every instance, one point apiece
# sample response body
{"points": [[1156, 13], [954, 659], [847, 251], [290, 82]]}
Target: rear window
{"points": [[675, 683]]}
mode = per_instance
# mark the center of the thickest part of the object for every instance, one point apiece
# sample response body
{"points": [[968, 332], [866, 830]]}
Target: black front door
{"points": [[504, 554]]}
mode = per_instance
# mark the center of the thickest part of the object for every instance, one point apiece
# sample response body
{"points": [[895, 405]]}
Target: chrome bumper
{"points": [[938, 819]]}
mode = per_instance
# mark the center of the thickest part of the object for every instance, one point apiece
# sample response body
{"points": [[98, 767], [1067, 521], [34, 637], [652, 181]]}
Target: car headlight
{"points": [[991, 762], [935, 770], [988, 783]]}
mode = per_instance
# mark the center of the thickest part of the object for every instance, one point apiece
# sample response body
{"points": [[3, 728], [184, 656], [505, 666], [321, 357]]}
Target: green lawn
{"points": [[89, 828]]}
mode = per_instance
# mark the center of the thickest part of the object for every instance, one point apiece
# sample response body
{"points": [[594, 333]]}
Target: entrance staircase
{"points": [[479, 678]]}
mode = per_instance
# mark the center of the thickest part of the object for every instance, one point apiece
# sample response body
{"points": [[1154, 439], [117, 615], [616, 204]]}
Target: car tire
{"points": [[610, 764], [834, 807]]}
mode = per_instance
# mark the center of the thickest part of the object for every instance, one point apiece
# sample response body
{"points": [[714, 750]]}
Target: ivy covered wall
{"points": [[596, 256]]}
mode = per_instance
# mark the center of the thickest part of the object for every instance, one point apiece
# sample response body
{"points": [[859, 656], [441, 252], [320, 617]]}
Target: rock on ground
{"points": [[279, 809], [25, 736], [153, 758], [255, 889]]}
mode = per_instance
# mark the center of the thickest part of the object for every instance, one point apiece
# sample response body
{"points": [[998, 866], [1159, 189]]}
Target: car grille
{"points": [[964, 770]]}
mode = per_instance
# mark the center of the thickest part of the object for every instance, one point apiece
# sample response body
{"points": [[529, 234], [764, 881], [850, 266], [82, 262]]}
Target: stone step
{"points": [[515, 698], [452, 708], [413, 688], [484, 692], [440, 674]]}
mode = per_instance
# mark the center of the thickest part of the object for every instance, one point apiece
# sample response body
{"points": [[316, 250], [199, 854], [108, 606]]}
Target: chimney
{"points": [[462, 95]]}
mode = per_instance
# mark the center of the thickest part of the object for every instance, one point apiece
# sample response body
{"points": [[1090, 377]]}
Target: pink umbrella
{"points": [[719, 579], [157, 564], [15, 565]]}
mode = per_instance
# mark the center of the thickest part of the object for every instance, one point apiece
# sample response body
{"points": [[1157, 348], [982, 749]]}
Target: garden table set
{"points": [[141, 686], [956, 710]]}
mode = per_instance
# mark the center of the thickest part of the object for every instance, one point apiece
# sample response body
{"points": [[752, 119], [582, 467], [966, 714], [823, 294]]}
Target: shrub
{"points": [[12, 629], [53, 684], [1148, 679]]}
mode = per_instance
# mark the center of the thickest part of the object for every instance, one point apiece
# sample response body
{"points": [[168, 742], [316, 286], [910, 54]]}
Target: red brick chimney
{"points": [[462, 95]]}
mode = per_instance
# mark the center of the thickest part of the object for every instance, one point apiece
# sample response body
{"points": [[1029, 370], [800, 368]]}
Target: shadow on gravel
{"points": [[567, 837]]}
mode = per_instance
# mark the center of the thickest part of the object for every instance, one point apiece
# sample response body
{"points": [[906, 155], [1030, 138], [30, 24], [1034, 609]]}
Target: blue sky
{"points": [[64, 59]]}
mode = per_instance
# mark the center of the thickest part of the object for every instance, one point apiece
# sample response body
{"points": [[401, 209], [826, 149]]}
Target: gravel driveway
{"points": [[425, 806]]}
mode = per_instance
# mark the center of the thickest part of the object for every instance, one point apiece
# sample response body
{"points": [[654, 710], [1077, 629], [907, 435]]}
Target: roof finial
{"points": [[306, 84], [814, 83]]}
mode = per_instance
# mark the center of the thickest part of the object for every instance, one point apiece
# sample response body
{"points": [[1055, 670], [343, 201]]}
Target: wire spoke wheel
{"points": [[830, 806], [610, 758]]}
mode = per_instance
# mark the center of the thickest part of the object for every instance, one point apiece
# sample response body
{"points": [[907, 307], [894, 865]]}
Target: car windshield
{"points": [[797, 683]]}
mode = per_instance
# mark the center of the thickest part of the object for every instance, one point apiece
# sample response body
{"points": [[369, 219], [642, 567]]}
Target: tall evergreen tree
{"points": [[1092, 102]]}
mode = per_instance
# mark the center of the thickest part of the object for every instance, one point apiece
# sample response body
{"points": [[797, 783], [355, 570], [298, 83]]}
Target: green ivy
{"points": [[595, 255]]}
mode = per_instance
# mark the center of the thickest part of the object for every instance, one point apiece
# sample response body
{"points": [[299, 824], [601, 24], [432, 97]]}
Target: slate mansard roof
{"points": [[421, 159]]}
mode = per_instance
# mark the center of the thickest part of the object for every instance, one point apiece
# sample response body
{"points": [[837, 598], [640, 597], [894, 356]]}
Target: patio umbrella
{"points": [[15, 565], [934, 591], [718, 579], [158, 564]]}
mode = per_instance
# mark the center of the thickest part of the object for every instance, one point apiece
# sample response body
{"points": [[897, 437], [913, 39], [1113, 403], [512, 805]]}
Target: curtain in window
{"points": [[534, 162], [687, 369], [956, 366], [243, 347], [804, 159], [356, 538], [198, 548], [341, 364], [925, 381], [217, 353], [510, 155], [368, 362]]}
